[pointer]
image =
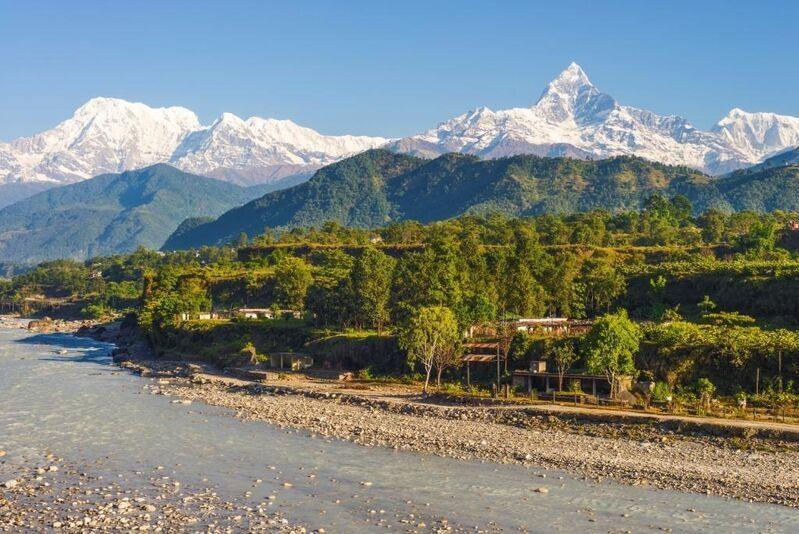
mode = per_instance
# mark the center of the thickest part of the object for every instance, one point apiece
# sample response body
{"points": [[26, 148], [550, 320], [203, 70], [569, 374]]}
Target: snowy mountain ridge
{"points": [[573, 118], [109, 135]]}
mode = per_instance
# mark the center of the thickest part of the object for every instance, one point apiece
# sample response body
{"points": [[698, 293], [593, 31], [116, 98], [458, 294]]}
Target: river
{"points": [[83, 408]]}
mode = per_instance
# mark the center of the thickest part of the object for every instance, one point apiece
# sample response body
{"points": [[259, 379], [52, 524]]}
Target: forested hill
{"points": [[111, 213], [379, 186]]}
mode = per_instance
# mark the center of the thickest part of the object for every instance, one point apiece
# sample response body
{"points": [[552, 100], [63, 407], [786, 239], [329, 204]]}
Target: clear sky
{"points": [[390, 68]]}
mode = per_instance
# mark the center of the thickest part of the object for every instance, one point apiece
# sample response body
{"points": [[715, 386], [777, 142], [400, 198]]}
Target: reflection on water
{"points": [[82, 408]]}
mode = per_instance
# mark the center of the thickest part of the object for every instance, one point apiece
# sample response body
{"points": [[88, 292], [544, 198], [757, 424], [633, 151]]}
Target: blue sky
{"points": [[390, 68]]}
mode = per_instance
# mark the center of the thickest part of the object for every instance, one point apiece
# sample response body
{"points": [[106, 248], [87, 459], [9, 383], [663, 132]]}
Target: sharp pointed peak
{"points": [[571, 77], [574, 67]]}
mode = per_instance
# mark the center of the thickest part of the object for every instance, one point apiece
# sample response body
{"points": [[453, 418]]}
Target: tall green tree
{"points": [[371, 284], [602, 284], [610, 347], [564, 356], [428, 278], [292, 280], [431, 338]]}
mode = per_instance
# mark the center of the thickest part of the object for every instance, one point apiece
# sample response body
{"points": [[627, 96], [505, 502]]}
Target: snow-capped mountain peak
{"points": [[572, 97], [574, 118], [113, 135], [759, 134], [570, 83], [103, 135]]}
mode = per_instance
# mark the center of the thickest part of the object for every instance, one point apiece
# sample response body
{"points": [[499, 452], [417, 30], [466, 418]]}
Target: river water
{"points": [[82, 408]]}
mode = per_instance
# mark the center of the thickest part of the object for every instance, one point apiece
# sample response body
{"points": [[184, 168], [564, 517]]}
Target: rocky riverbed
{"points": [[45, 325], [742, 465], [51, 494], [759, 470]]}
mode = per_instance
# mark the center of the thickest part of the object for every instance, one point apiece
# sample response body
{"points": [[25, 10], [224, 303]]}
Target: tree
{"points": [[506, 330], [657, 290], [292, 280], [371, 285], [681, 209], [523, 295], [478, 310], [567, 293], [564, 357], [429, 278], [603, 284], [431, 338], [713, 224], [779, 342], [705, 389], [610, 347], [706, 306], [761, 237], [521, 292]]}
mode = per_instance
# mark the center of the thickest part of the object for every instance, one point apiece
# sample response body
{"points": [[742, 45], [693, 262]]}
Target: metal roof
{"points": [[483, 358]]}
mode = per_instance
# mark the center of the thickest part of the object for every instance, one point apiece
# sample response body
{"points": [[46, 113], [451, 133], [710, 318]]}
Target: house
{"points": [[536, 377], [548, 326], [552, 326], [256, 313], [202, 316], [267, 313]]}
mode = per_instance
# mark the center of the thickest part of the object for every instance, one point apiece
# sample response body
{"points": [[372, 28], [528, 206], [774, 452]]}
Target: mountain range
{"points": [[571, 118], [381, 186], [108, 135], [112, 213]]}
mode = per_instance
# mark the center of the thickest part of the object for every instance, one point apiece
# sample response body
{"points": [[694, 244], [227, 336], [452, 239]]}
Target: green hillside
{"points": [[111, 213], [379, 186]]}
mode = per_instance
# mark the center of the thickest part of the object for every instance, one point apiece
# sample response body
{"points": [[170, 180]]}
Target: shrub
{"points": [[575, 387], [661, 392]]}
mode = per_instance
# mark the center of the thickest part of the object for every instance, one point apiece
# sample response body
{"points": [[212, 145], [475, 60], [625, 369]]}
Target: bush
{"points": [[705, 389], [661, 392], [95, 310], [575, 387], [367, 373]]}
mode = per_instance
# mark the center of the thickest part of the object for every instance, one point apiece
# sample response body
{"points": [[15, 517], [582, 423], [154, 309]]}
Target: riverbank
{"points": [[755, 469], [58, 393], [739, 462]]}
